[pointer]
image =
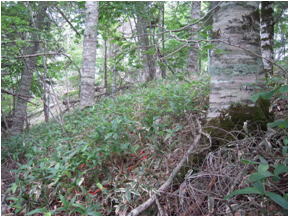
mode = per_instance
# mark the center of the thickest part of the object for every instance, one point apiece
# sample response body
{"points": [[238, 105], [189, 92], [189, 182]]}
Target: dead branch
{"points": [[169, 181]]}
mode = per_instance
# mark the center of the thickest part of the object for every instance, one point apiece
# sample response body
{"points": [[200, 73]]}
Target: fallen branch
{"points": [[169, 181]]}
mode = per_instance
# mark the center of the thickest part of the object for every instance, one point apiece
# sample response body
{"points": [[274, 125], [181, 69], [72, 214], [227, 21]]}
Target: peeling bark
{"points": [[89, 55], [233, 68], [267, 36]]}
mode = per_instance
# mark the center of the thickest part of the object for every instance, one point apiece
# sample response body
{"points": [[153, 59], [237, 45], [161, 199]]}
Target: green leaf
{"points": [[14, 188], [100, 186], [283, 89], [279, 123], [248, 161], [83, 208], [281, 201], [36, 211], [280, 168], [260, 186], [63, 200], [263, 95], [259, 176], [263, 168], [249, 190]]}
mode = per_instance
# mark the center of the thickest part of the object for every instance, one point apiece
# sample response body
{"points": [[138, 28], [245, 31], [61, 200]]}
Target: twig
{"points": [[164, 186]]}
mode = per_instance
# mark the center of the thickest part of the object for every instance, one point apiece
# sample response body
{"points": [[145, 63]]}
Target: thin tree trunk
{"points": [[162, 66], [87, 83], [193, 60], [27, 74], [105, 65], [267, 36], [141, 26], [45, 89]]}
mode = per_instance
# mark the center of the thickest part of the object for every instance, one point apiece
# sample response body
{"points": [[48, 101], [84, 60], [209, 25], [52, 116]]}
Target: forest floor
{"points": [[110, 158]]}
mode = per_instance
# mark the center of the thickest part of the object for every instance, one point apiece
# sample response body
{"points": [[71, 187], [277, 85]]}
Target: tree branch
{"points": [[66, 19], [35, 55], [20, 96]]}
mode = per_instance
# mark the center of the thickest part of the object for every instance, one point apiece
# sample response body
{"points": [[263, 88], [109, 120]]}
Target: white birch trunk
{"points": [[233, 68], [267, 36], [87, 82]]}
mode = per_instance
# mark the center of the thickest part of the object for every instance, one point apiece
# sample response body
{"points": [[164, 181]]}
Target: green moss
{"points": [[233, 119]]}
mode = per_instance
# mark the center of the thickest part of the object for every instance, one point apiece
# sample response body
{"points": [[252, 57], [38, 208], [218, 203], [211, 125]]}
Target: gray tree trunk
{"points": [[37, 20], [233, 68], [193, 60], [267, 36], [162, 66], [105, 65], [46, 96], [142, 23], [87, 81]]}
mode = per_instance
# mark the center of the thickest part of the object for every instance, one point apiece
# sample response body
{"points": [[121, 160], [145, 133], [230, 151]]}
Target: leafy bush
{"points": [[63, 163]]}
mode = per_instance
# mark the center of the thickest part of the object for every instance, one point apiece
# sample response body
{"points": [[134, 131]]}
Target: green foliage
{"points": [[94, 137], [258, 180], [267, 172]]}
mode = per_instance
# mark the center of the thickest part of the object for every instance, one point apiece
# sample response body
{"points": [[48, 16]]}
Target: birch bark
{"points": [[87, 81]]}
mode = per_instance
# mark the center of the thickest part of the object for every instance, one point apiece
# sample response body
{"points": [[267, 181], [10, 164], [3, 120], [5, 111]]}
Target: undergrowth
{"points": [[67, 166]]}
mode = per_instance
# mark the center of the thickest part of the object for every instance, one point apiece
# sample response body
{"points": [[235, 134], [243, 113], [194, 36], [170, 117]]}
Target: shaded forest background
{"points": [[106, 106]]}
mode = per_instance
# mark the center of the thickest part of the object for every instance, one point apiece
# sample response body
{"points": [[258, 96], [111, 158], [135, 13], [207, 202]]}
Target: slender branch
{"points": [[67, 20], [175, 51], [20, 96], [35, 55]]}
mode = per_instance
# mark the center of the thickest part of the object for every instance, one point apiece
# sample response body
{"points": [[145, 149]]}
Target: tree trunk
{"points": [[162, 66], [105, 64], [267, 36], [27, 75], [193, 60], [143, 38], [232, 68], [87, 83], [46, 100]]}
